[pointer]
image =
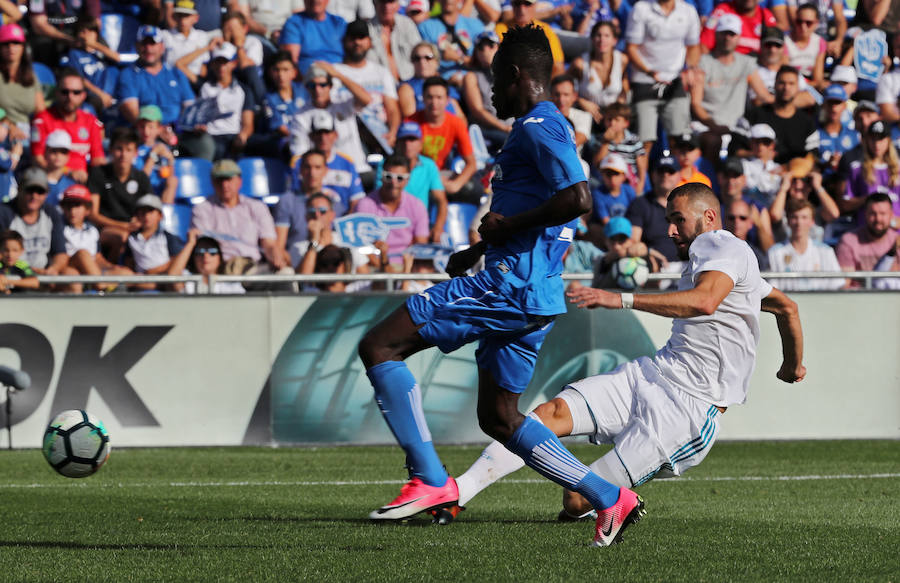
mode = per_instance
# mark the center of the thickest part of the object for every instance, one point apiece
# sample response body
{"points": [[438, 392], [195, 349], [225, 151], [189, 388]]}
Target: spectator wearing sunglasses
{"points": [[392, 201], [805, 49], [321, 236], [425, 65], [85, 130], [202, 255]]}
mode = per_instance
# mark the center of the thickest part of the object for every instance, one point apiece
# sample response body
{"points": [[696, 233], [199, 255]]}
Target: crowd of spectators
{"points": [[788, 110]]}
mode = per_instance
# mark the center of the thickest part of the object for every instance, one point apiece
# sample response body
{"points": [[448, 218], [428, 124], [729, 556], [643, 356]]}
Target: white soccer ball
{"points": [[76, 444], [630, 272]]}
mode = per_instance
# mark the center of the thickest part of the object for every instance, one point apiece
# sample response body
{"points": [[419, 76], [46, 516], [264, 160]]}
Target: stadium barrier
{"points": [[172, 370]]}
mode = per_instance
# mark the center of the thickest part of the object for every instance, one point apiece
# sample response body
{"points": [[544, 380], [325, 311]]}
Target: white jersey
{"points": [[712, 357], [817, 257]]}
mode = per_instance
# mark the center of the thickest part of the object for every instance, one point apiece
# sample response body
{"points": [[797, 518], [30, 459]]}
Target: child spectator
{"points": [[83, 239], [279, 106], [10, 154], [96, 62], [56, 155], [150, 249], [154, 156], [618, 139], [800, 184], [185, 39], [202, 255], [614, 195], [620, 244], [686, 150], [115, 188], [763, 174], [12, 247]]}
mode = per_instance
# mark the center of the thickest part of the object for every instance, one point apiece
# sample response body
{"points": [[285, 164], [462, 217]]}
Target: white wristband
{"points": [[627, 301]]}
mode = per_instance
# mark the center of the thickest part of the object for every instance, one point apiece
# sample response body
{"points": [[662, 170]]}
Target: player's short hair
{"points": [[794, 205], [564, 78], [10, 235], [436, 80], [787, 69], [528, 48], [696, 192], [123, 135], [313, 152], [877, 197], [396, 160]]}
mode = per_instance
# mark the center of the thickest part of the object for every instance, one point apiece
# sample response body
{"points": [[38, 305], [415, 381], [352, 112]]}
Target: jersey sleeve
{"points": [[710, 252], [290, 33], [97, 152], [463, 143], [552, 149], [126, 85]]}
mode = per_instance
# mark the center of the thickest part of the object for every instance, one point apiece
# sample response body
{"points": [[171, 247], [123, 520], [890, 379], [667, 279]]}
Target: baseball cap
{"points": [[185, 7], [733, 166], [844, 74], [76, 193], [409, 129], [150, 113], [34, 177], [357, 29], [866, 105], [225, 168], [149, 201], [878, 130], [12, 33], [59, 140], [614, 162], [417, 6], [762, 131], [834, 93], [487, 35], [315, 71], [686, 141], [771, 34], [322, 121], [667, 163], [730, 23], [149, 32], [617, 226], [225, 51]]}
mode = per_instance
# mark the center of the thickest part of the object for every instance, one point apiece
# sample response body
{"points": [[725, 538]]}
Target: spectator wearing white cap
{"points": [[719, 95], [763, 174], [614, 194], [56, 156], [419, 10], [150, 248], [394, 37]]}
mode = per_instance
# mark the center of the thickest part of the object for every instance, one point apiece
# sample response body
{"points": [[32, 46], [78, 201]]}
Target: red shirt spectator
{"points": [[754, 20], [439, 140]]}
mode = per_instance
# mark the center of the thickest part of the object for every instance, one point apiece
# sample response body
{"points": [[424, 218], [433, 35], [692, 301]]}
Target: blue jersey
{"points": [[538, 160], [91, 68], [169, 89], [830, 145], [341, 183], [319, 40], [279, 112], [607, 206]]}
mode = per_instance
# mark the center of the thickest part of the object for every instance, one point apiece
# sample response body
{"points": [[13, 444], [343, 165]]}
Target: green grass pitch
{"points": [[793, 511]]}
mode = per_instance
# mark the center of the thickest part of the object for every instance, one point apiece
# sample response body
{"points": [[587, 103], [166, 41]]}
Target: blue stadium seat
{"points": [[265, 179], [194, 181], [456, 229], [120, 33], [177, 218], [44, 74]]}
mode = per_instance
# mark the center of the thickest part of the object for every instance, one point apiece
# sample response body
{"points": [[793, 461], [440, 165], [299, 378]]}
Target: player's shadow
{"points": [[417, 522], [47, 544]]}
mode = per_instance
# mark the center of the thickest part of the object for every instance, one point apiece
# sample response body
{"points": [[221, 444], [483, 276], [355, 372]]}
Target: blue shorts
{"points": [[464, 309]]}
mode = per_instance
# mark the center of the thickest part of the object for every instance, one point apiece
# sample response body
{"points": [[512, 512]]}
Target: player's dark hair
{"points": [[564, 78], [877, 197], [695, 191], [396, 160], [785, 69], [435, 80], [123, 135], [528, 48], [10, 235]]}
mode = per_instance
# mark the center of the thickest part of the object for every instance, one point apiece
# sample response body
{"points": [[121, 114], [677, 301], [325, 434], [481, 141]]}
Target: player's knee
{"points": [[555, 415], [368, 349], [495, 425]]}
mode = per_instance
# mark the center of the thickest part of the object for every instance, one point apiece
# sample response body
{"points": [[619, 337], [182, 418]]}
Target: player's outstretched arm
{"points": [[702, 300], [567, 204], [788, 318]]}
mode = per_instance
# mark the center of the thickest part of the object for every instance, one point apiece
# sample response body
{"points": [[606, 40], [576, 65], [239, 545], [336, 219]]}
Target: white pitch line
{"points": [[390, 482]]}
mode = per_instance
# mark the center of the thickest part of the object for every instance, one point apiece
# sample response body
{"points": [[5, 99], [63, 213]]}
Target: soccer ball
{"points": [[76, 444], [630, 272]]}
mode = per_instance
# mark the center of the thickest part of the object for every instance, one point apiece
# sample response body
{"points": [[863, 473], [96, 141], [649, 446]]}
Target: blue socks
{"points": [[544, 453], [400, 400]]}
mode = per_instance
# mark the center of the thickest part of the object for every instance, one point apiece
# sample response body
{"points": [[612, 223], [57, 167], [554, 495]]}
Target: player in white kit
{"points": [[662, 412]]}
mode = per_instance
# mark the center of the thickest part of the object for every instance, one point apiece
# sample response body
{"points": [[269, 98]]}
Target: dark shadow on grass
{"points": [[415, 522], [121, 547]]}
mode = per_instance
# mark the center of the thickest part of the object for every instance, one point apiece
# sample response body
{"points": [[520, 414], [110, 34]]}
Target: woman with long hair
{"points": [[601, 72], [20, 91], [879, 170]]}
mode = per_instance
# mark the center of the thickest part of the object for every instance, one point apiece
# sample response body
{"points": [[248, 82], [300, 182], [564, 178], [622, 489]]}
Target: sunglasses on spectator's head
{"points": [[206, 251], [71, 91], [422, 58], [318, 84], [313, 210], [395, 176]]}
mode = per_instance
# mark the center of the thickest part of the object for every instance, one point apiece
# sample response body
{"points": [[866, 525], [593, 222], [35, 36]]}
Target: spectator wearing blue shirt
{"points": [[96, 62], [314, 35], [150, 82], [835, 138], [278, 108], [424, 177], [614, 194], [341, 178], [454, 36]]}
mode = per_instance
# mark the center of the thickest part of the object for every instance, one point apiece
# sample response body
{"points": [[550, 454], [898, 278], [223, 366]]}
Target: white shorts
{"points": [[658, 430]]}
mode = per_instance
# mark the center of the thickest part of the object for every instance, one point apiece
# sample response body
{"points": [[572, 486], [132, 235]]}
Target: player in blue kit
{"points": [[539, 190]]}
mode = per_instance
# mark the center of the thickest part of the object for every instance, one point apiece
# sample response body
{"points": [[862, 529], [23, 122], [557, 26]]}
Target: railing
{"points": [[867, 278]]}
